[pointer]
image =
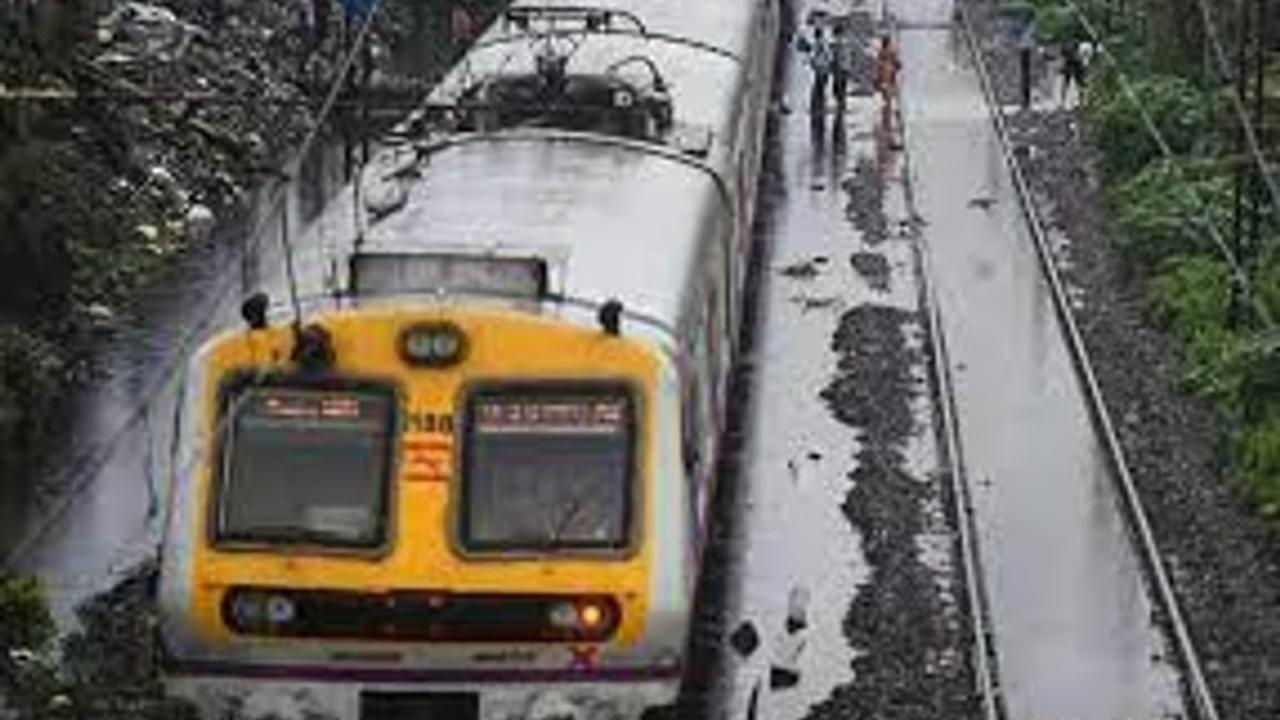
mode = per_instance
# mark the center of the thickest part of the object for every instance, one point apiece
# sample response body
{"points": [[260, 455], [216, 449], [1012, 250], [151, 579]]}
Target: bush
{"points": [[1161, 212], [32, 381], [1192, 293], [1057, 24], [1266, 278], [1176, 107], [69, 235], [25, 621], [1258, 467]]}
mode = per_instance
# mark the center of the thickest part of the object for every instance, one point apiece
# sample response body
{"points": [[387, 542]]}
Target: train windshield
{"points": [[547, 470], [306, 466]]}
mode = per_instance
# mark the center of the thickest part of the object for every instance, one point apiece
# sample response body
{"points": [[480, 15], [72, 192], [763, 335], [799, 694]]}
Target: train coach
{"points": [[460, 467]]}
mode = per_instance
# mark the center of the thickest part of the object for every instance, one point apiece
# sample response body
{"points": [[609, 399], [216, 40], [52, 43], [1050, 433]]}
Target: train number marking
{"points": [[429, 422], [427, 457]]}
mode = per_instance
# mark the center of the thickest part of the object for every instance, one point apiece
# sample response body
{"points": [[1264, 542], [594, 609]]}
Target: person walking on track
{"points": [[886, 81], [820, 61], [842, 50], [1072, 69]]}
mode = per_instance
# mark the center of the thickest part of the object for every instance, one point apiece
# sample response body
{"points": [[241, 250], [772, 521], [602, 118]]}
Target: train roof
{"points": [[613, 218], [699, 49]]}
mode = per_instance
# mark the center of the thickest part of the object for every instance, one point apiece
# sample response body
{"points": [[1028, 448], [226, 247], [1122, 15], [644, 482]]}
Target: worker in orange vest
{"points": [[886, 79]]}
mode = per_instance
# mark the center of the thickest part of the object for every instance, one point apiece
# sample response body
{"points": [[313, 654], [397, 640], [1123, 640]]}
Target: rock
{"points": [[803, 270], [797, 610], [199, 221], [554, 706], [873, 268], [745, 639], [22, 656], [100, 314]]}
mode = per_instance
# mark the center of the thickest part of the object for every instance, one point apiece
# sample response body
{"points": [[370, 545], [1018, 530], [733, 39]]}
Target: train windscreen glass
{"points": [[306, 466], [547, 471]]}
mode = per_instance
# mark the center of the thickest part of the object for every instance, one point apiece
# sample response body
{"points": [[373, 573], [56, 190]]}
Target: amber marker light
{"points": [[591, 615]]}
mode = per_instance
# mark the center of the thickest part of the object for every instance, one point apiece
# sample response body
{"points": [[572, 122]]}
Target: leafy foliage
{"points": [[1175, 107], [1258, 466], [1152, 211], [1057, 24], [1191, 295], [25, 622], [69, 238], [32, 378]]}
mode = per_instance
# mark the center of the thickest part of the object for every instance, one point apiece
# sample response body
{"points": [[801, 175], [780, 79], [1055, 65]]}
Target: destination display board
{"points": [[588, 415], [306, 466], [279, 403]]}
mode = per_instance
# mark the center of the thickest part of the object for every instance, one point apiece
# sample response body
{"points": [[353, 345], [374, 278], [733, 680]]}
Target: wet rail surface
{"points": [[1072, 617], [1198, 697]]}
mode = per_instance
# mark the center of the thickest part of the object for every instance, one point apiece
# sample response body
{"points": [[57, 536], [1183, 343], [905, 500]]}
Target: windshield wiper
{"points": [[566, 518]]}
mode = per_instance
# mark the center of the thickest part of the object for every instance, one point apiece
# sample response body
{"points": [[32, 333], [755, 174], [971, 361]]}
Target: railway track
{"points": [[1197, 693], [983, 657]]}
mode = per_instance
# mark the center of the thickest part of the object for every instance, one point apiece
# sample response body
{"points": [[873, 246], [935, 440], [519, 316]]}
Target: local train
{"points": [[460, 465]]}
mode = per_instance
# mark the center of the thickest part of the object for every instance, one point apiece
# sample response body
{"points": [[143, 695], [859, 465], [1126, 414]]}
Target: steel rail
{"points": [[984, 657], [1195, 684]]}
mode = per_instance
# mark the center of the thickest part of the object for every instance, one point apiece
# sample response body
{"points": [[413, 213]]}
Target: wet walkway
{"points": [[802, 568], [1072, 620]]}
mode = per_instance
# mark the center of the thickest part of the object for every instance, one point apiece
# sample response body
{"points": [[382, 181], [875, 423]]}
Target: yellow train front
{"points": [[466, 474], [396, 501]]}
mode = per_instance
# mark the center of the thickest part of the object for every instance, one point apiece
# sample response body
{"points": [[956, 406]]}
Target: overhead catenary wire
{"points": [[85, 467], [1238, 274]]}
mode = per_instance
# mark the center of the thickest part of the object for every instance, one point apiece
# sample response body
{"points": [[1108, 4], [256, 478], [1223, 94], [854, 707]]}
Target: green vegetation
{"points": [[25, 622], [1120, 131], [106, 670], [1162, 212]]}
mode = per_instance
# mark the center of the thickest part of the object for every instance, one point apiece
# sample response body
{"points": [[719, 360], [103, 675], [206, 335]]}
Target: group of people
{"points": [[833, 62]]}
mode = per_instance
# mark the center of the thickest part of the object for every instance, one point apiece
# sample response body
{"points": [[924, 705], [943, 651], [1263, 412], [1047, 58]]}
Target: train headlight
{"points": [[435, 344], [590, 617], [253, 611], [280, 610], [248, 611], [563, 615]]}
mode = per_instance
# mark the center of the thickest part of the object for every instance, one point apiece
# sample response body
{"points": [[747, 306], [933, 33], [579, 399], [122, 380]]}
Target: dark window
{"points": [[548, 468], [306, 466]]}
